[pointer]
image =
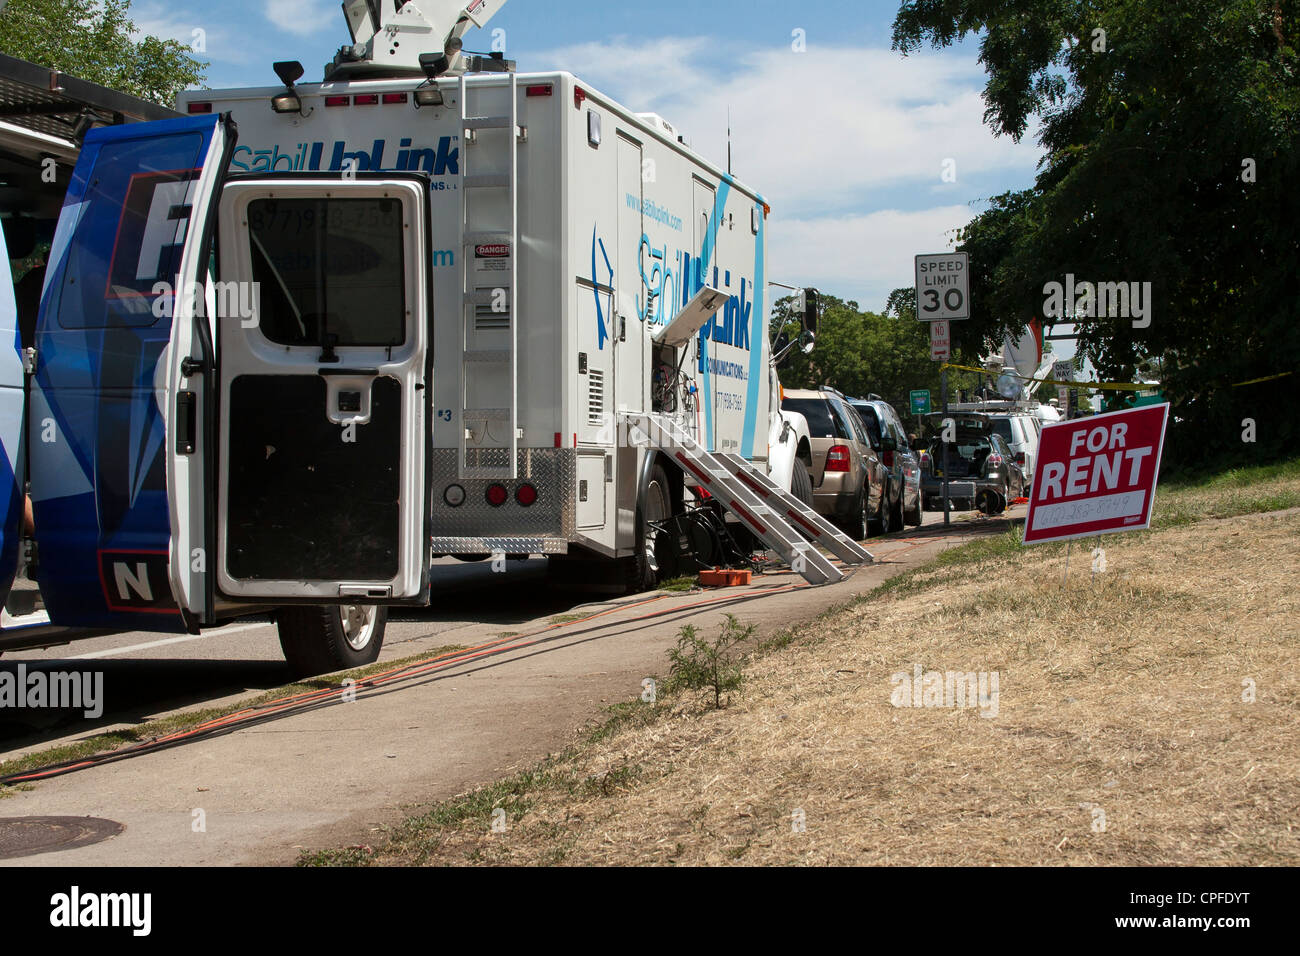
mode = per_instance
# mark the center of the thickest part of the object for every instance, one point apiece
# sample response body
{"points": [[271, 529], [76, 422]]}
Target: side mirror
{"points": [[807, 342], [888, 444], [810, 303]]}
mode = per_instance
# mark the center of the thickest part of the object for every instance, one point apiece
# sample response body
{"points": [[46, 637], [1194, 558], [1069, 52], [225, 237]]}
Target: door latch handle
{"points": [[191, 366]]}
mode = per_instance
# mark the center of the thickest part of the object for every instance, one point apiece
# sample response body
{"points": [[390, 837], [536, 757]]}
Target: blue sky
{"points": [[847, 139]]}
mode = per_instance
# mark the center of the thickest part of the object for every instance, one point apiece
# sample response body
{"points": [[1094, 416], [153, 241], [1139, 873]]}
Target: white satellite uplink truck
{"points": [[426, 307]]}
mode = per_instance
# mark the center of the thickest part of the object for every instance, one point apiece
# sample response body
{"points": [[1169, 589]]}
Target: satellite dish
{"points": [[1009, 385]]}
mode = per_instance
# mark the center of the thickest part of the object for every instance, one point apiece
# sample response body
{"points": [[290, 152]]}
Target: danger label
{"points": [[493, 251]]}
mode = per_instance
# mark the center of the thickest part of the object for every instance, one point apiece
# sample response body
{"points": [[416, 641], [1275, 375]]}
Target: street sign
{"points": [[1096, 475], [940, 340], [920, 401], [943, 286]]}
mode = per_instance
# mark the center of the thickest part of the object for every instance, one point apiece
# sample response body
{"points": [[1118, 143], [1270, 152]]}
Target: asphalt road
{"points": [[328, 777]]}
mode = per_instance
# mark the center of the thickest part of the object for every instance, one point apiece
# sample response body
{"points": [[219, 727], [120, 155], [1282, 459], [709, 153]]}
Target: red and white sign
{"points": [[1096, 475], [496, 250], [940, 340]]}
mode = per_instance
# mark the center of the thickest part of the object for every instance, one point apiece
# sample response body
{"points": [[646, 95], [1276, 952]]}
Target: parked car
{"points": [[1021, 431], [982, 471], [889, 439], [848, 478]]}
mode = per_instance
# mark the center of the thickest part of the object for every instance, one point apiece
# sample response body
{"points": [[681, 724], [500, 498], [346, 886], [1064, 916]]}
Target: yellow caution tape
{"points": [[1105, 386], [1266, 378], [1109, 386]]}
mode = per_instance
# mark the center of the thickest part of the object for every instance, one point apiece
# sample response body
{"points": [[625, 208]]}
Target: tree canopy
{"points": [[1170, 132], [95, 40]]}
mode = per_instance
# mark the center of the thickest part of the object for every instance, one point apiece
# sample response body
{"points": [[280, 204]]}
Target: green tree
{"points": [[1170, 132], [95, 40]]}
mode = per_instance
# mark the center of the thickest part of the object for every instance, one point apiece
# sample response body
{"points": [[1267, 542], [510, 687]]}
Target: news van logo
{"points": [[442, 159]]}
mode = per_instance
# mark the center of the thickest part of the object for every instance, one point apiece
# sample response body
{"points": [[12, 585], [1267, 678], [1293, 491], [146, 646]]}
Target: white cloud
{"points": [[210, 43], [847, 145], [860, 256], [304, 17], [842, 129]]}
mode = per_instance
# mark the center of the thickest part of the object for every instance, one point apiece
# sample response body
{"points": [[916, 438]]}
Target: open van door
{"points": [[325, 398], [120, 437], [12, 423]]}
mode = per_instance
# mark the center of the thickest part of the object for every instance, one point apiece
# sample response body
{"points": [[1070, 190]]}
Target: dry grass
{"points": [[1122, 694]]}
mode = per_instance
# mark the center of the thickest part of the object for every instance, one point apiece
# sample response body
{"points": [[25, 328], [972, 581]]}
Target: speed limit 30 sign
{"points": [[943, 287]]}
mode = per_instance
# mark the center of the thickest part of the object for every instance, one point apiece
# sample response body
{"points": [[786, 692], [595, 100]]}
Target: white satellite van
{"points": [[428, 306]]}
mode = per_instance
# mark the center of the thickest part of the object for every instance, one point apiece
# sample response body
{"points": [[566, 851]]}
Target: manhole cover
{"points": [[26, 836]]}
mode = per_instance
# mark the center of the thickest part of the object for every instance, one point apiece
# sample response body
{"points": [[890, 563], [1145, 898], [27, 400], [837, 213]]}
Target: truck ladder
{"points": [[781, 521], [506, 416]]}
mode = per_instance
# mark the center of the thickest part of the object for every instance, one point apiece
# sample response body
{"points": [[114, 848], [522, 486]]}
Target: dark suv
{"points": [[889, 439], [982, 470], [847, 475]]}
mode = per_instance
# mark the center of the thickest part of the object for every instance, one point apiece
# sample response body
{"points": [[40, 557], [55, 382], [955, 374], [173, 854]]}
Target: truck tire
{"points": [[641, 572], [317, 640], [801, 483]]}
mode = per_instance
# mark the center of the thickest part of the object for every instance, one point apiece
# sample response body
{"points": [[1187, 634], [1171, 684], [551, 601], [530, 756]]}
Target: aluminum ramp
{"points": [[777, 518], [806, 521]]}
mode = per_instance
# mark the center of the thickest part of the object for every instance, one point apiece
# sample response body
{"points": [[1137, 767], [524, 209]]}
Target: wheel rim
{"points": [[358, 624], [656, 510]]}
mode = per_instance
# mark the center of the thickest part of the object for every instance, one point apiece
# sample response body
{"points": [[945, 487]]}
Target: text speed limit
{"points": [[943, 287]]}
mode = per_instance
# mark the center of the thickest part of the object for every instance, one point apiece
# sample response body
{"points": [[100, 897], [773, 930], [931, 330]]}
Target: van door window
{"points": [[329, 267]]}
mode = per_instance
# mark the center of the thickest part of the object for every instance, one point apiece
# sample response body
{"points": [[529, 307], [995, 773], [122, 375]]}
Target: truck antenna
{"points": [[728, 139]]}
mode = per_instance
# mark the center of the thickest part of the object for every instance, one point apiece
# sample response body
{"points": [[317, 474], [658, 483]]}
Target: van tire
{"points": [[315, 639], [801, 483]]}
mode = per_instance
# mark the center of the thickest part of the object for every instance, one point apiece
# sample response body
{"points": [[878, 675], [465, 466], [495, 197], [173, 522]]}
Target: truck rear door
{"points": [[118, 399], [325, 397]]}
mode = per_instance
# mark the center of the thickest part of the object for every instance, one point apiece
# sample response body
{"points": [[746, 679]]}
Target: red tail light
{"points": [[526, 495], [1020, 458], [497, 495], [994, 460], [838, 458], [888, 459]]}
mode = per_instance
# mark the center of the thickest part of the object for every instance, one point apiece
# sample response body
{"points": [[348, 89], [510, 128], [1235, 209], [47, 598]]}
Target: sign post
{"points": [[943, 296], [943, 436], [1096, 475]]}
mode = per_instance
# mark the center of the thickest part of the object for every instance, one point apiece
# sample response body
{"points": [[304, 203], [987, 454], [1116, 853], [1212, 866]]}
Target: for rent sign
{"points": [[1096, 475]]}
